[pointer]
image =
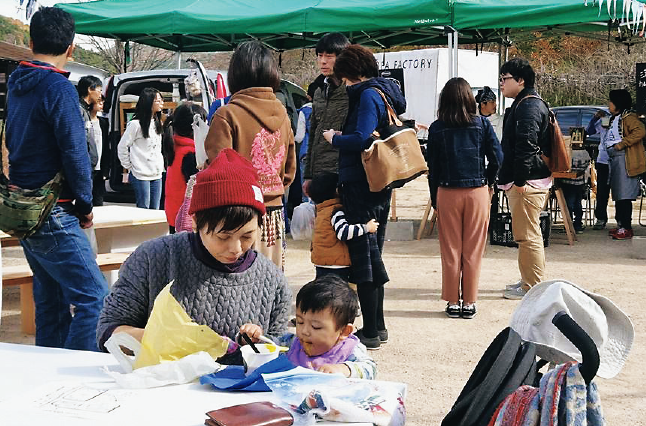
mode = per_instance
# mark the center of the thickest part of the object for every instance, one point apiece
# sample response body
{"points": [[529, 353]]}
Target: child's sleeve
{"points": [[345, 231], [361, 365]]}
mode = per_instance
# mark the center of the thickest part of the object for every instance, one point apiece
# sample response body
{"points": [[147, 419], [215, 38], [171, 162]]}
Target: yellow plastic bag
{"points": [[171, 334]]}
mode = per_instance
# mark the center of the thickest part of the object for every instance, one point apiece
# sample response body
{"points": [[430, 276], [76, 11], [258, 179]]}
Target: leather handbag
{"points": [[262, 413], [395, 156], [23, 211]]}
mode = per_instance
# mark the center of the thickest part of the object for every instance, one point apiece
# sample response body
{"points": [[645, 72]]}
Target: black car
{"points": [[580, 116]]}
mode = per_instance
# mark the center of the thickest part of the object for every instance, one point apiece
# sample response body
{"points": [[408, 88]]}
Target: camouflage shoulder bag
{"points": [[23, 211]]}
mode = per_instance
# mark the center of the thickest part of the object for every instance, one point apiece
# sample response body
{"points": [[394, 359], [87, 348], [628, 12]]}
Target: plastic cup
{"points": [[254, 360]]}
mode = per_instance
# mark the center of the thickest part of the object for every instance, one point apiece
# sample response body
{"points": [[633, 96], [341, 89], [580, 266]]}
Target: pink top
{"points": [[545, 183]]}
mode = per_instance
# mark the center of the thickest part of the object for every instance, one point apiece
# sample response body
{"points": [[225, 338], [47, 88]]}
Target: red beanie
{"points": [[230, 180]]}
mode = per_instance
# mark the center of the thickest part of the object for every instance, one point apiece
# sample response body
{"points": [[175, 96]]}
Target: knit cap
{"points": [[485, 95], [230, 180]]}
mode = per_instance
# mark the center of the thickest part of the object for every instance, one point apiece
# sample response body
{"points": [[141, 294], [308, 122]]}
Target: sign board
{"points": [[640, 84]]}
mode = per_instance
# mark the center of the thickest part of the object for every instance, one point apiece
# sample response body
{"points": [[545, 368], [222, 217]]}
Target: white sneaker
{"points": [[515, 294], [514, 286]]}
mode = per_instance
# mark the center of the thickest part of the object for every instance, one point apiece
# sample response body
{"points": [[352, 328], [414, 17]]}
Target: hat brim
{"points": [[619, 339]]}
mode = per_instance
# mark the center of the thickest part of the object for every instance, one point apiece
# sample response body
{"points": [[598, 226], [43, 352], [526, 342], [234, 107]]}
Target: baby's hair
{"points": [[329, 292]]}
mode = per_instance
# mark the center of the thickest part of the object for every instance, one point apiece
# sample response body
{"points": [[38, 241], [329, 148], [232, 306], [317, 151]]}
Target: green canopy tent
{"points": [[207, 25]]}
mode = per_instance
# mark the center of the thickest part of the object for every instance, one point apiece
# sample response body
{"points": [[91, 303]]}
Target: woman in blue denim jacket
{"points": [[461, 182]]}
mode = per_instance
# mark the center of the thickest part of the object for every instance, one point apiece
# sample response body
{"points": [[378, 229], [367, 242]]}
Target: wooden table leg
{"points": [[422, 225], [565, 213], [393, 207], [27, 309]]}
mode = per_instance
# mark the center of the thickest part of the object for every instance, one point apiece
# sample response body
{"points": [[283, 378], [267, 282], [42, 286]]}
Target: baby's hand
{"points": [[252, 330], [335, 369], [372, 226]]}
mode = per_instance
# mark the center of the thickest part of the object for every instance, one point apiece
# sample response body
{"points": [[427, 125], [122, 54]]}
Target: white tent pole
{"points": [[455, 53], [501, 100], [450, 36], [179, 60]]}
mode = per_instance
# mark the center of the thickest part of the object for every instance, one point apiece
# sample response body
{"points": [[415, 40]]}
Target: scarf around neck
{"points": [[338, 354]]}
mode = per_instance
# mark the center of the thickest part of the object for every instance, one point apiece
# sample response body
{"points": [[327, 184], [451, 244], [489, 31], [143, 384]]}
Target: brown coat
{"points": [[633, 133], [327, 249], [256, 125]]}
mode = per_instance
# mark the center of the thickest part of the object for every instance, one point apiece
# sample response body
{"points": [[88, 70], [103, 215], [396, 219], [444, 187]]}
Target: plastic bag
{"points": [[200, 130], [302, 224], [181, 371], [336, 398]]}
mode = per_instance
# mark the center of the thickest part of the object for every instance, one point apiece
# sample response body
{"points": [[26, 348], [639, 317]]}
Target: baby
{"points": [[325, 311]]}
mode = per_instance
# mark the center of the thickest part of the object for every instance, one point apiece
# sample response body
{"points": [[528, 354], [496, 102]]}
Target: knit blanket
{"points": [[563, 399]]}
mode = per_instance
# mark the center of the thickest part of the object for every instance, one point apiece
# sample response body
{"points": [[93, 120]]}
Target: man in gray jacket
{"points": [[329, 110]]}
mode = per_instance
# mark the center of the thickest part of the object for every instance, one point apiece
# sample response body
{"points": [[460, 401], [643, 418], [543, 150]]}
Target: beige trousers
{"points": [[463, 218], [525, 224]]}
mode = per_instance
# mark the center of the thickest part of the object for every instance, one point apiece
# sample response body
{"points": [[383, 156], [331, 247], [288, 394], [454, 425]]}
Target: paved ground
{"points": [[435, 355]]}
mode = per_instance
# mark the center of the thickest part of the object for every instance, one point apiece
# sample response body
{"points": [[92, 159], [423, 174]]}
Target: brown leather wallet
{"points": [[262, 413]]}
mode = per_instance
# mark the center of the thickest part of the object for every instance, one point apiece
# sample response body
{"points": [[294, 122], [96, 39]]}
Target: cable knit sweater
{"points": [[223, 301]]}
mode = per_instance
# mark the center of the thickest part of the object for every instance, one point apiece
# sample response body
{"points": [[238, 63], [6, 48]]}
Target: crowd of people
{"points": [[226, 270]]}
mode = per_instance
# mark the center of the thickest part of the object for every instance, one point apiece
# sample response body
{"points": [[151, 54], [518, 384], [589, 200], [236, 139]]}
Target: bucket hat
{"points": [[607, 325]]}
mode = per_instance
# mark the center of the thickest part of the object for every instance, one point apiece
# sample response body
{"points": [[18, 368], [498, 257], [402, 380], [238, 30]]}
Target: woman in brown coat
{"points": [[256, 125]]}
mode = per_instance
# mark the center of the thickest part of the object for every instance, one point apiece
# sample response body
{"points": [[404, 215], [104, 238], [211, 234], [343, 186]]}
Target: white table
{"points": [[47, 386]]}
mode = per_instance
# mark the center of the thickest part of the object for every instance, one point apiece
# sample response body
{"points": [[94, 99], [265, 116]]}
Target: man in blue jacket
{"points": [[45, 135]]}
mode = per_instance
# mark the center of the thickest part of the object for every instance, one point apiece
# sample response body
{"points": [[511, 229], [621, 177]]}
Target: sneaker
{"points": [[613, 231], [468, 310], [453, 310], [623, 234], [599, 224], [514, 294], [383, 336], [371, 343], [579, 229], [513, 286]]}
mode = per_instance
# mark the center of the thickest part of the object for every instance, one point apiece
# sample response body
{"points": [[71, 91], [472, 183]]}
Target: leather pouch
{"points": [[252, 414]]}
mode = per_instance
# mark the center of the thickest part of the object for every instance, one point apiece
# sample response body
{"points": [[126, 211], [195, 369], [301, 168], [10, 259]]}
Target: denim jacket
{"points": [[456, 155]]}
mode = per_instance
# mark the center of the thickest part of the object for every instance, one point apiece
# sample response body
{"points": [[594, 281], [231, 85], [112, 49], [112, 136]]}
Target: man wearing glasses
{"points": [[524, 176]]}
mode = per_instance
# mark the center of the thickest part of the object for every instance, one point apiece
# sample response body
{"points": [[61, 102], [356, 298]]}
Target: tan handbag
{"points": [[395, 156]]}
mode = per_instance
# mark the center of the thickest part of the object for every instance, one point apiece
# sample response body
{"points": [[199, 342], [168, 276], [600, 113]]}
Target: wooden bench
{"points": [[22, 276]]}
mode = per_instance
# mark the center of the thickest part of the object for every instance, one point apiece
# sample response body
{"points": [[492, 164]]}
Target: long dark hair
{"points": [[457, 105], [179, 123], [252, 65], [144, 111]]}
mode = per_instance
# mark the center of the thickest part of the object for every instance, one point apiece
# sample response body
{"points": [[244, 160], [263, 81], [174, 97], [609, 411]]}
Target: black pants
{"points": [[98, 188], [603, 191], [624, 213], [343, 273], [573, 196]]}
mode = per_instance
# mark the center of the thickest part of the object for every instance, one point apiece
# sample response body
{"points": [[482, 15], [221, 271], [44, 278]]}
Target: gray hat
{"points": [[607, 325]]}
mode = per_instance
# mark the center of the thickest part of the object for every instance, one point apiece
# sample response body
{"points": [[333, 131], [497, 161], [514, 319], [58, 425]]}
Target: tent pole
{"points": [[450, 37], [501, 100], [179, 60], [455, 53]]}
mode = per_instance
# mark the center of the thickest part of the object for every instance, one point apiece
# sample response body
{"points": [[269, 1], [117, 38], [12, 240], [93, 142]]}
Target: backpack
{"points": [[558, 158]]}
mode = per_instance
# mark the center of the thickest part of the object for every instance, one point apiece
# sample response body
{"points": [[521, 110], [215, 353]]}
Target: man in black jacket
{"points": [[329, 110], [524, 175]]}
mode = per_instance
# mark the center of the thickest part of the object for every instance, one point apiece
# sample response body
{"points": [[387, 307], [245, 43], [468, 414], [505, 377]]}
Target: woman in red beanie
{"points": [[255, 124], [214, 274]]}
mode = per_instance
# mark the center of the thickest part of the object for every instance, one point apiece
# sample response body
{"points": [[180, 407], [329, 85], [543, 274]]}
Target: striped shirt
{"points": [[345, 231]]}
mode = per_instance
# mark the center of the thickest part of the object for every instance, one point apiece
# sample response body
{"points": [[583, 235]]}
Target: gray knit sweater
{"points": [[223, 301]]}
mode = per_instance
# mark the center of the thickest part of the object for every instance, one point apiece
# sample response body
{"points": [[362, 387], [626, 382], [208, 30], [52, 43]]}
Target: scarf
{"points": [[338, 354]]}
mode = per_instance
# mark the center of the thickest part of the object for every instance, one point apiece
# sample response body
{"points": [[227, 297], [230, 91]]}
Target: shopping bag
{"points": [[302, 224], [394, 157]]}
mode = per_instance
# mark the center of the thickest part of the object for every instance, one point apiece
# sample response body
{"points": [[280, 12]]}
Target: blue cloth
{"points": [[232, 378], [65, 273], [456, 155], [45, 133], [147, 192], [307, 112], [366, 113], [215, 105]]}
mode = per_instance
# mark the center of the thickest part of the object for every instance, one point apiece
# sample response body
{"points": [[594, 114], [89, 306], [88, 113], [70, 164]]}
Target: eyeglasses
{"points": [[503, 79]]}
